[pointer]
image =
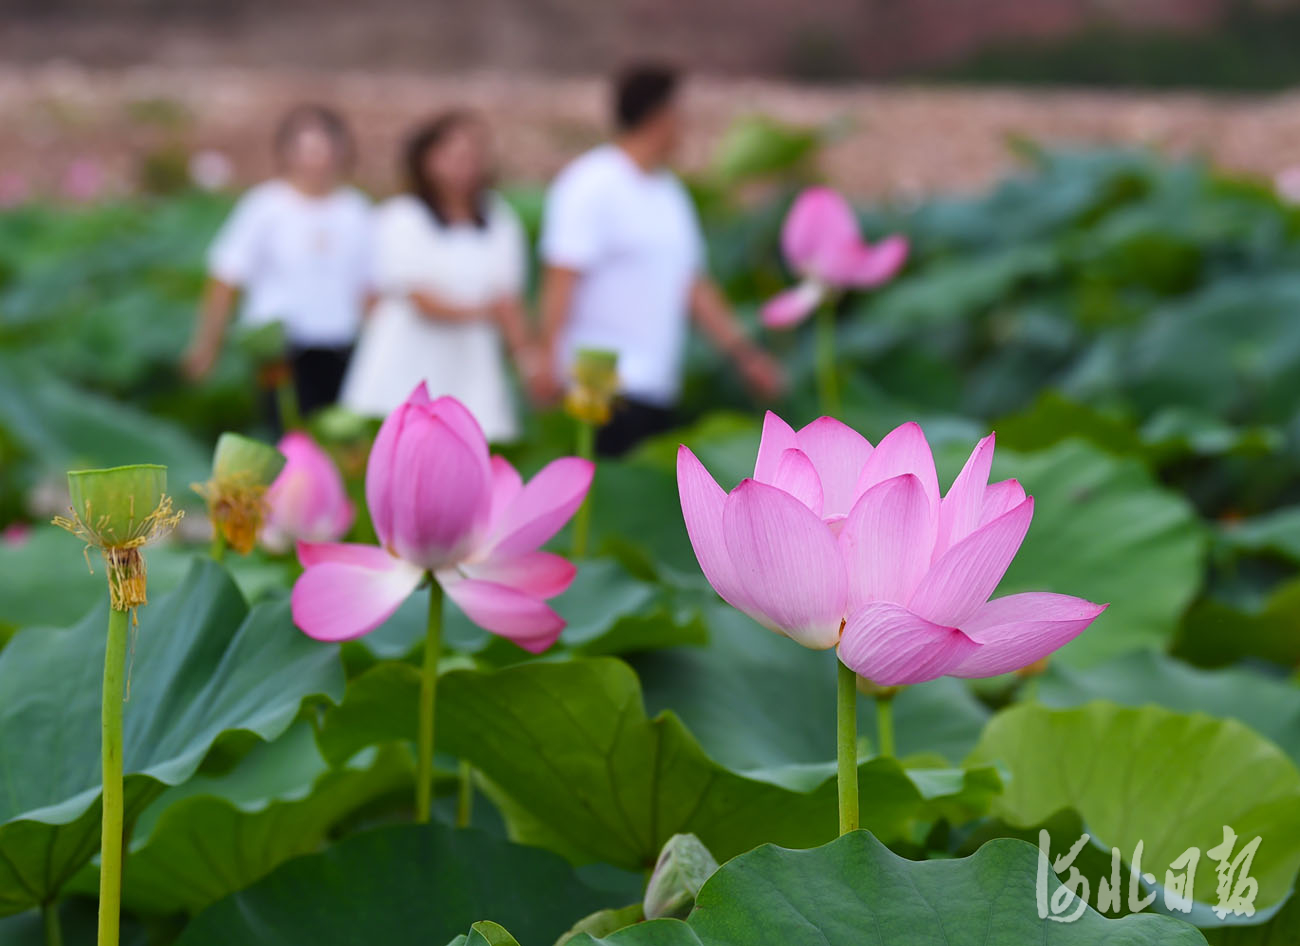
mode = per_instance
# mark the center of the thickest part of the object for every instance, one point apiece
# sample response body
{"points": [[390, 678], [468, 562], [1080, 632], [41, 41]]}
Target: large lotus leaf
{"points": [[1215, 632], [1169, 780], [855, 891], [748, 716], [1282, 930], [1268, 704], [1104, 530], [400, 885], [214, 835], [1231, 350], [203, 666], [63, 428], [567, 752], [44, 579], [1277, 531], [608, 610]]}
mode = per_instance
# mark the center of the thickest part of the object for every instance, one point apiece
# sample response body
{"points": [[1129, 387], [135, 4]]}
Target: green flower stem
{"points": [[110, 867], [828, 386], [53, 929], [582, 519], [885, 725], [428, 699], [465, 800], [218, 543], [286, 402], [847, 746]]}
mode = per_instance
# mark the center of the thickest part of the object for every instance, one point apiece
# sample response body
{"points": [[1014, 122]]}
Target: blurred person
{"points": [[625, 267], [298, 248], [450, 266]]}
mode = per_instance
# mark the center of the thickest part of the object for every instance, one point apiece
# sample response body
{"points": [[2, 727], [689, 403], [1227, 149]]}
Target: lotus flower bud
{"points": [[684, 865], [242, 469], [595, 382], [118, 511]]}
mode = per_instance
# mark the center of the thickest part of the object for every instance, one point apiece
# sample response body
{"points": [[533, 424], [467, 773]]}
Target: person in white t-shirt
{"points": [[625, 267], [450, 265], [298, 248]]}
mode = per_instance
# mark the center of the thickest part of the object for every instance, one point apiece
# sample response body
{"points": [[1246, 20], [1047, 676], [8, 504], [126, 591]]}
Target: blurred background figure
{"points": [[298, 248], [450, 264], [625, 267]]}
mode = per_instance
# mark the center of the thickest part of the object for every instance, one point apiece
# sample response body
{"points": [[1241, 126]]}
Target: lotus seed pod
{"points": [[114, 505], [118, 511], [237, 456], [242, 469], [595, 383], [684, 865]]}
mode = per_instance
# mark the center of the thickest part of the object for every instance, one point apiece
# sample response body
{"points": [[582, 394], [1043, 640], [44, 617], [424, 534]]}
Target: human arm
{"points": [[214, 315], [556, 301], [761, 372], [437, 309]]}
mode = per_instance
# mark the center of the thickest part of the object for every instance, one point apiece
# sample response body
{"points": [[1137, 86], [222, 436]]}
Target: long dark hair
{"points": [[429, 137]]}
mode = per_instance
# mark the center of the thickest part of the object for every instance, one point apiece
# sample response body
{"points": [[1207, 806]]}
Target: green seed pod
{"points": [[684, 865], [115, 506], [118, 511], [264, 343], [245, 459]]}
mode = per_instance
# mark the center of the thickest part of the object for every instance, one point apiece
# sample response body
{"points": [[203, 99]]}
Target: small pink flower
{"points": [[442, 507], [83, 180], [821, 243], [15, 535], [307, 502], [834, 542]]}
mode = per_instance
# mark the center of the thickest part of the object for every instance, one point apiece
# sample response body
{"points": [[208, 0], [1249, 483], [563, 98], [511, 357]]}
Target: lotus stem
{"points": [[465, 799], [110, 867], [828, 387], [286, 401], [428, 700], [218, 544], [847, 746], [50, 919], [885, 724], [582, 519]]}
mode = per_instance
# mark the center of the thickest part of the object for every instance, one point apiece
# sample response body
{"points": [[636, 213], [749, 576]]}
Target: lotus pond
{"points": [[663, 769]]}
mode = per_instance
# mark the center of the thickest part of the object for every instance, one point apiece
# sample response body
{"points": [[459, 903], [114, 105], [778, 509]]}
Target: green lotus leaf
{"points": [[567, 752], [1169, 780], [204, 670], [405, 884]]}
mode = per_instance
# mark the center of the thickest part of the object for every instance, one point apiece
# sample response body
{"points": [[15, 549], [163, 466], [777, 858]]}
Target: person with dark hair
{"points": [[298, 248], [625, 268], [450, 262]]}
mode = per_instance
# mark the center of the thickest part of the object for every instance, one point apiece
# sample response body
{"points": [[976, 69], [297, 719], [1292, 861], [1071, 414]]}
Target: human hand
{"points": [[198, 360], [538, 376], [762, 373]]}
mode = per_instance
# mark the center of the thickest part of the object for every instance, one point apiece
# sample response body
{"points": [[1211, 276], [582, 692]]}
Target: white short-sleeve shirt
{"points": [[634, 237], [301, 260], [461, 264]]}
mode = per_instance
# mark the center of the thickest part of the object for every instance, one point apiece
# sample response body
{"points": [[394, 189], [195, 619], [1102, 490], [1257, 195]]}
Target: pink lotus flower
{"points": [[821, 243], [442, 506], [307, 501], [833, 542], [83, 180]]}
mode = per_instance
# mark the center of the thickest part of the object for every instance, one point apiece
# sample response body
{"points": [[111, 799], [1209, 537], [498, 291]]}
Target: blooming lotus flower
{"points": [[821, 243], [442, 507], [834, 542], [307, 500]]}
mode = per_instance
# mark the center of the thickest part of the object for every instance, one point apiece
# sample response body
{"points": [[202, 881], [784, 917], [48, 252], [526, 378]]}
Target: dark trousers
{"points": [[317, 377], [632, 422]]}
